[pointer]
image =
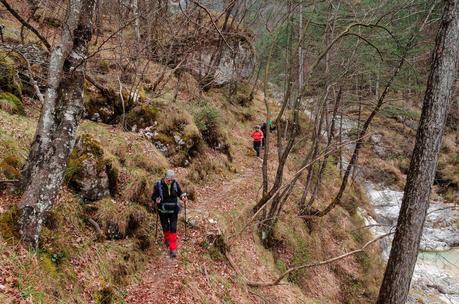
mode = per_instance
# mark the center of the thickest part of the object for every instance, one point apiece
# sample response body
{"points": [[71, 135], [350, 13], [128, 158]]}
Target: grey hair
{"points": [[169, 174]]}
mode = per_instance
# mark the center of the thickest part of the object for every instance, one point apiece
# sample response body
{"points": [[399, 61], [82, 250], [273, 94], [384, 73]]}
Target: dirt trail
{"points": [[187, 278]]}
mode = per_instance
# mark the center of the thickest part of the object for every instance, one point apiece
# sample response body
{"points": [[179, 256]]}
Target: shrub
{"points": [[208, 121]]}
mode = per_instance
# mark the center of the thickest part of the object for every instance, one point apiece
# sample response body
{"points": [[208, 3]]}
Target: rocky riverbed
{"points": [[436, 276]]}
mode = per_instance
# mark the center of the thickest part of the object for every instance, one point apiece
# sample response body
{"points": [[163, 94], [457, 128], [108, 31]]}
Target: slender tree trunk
{"points": [[135, 10], [59, 121], [439, 92]]}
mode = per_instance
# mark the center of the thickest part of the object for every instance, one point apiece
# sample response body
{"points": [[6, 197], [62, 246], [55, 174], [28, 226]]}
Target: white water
{"points": [[436, 276]]}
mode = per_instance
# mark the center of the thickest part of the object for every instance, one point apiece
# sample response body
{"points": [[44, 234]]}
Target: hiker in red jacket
{"points": [[257, 136]]}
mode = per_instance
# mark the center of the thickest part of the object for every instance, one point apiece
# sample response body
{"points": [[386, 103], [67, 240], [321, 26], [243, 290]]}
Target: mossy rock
{"points": [[142, 116], [90, 172], [11, 103], [109, 109], [9, 79], [97, 107], [119, 220]]}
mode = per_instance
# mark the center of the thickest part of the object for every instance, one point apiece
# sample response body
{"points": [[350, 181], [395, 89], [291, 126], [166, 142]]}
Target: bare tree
{"points": [[439, 92], [59, 121]]}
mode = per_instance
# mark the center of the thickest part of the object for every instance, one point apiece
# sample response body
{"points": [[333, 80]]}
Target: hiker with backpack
{"points": [[264, 129], [166, 196], [257, 137]]}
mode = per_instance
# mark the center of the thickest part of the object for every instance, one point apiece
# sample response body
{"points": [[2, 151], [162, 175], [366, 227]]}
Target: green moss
{"points": [[142, 116], [104, 66], [112, 171], [9, 79], [47, 264], [78, 155], [164, 139], [302, 255], [16, 135], [90, 145], [281, 266], [11, 104]]}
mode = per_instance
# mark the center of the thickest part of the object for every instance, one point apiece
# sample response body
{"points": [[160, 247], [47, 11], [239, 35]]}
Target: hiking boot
{"points": [[173, 253]]}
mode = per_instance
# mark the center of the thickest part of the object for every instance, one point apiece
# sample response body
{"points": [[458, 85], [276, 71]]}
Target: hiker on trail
{"points": [[257, 136], [166, 195], [264, 129]]}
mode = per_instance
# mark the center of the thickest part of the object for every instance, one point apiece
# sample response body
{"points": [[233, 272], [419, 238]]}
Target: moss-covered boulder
{"points": [[120, 220], [141, 116], [90, 171], [11, 104], [9, 79], [177, 136]]}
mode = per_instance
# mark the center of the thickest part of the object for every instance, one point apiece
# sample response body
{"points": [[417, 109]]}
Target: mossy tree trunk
{"points": [[59, 121], [439, 92]]}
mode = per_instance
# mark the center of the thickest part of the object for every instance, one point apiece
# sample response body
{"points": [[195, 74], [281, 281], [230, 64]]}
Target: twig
{"points": [[122, 104], [96, 226]]}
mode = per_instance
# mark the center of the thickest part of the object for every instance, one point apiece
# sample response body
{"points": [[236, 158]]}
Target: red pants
{"points": [[169, 225]]}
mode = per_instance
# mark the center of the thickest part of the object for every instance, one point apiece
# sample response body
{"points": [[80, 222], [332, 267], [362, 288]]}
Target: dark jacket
{"points": [[170, 195]]}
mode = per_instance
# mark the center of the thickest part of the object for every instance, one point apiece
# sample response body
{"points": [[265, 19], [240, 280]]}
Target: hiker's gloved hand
{"points": [[184, 198], [158, 200]]}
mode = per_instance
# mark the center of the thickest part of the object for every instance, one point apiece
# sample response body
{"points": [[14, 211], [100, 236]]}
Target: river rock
{"points": [[378, 145], [432, 283]]}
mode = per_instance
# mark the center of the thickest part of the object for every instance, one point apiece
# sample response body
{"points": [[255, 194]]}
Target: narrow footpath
{"points": [[188, 278]]}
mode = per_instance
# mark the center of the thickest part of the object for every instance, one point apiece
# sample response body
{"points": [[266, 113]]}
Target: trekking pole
{"points": [[156, 225], [184, 195]]}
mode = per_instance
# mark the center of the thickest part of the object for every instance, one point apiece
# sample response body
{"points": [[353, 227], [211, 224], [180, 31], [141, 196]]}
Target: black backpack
{"points": [[165, 207]]}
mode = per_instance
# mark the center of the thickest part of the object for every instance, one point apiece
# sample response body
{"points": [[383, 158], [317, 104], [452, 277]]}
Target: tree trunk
{"points": [[59, 121], [439, 92]]}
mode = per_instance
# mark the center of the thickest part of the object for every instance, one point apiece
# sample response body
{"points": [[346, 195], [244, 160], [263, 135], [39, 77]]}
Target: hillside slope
{"points": [[101, 243]]}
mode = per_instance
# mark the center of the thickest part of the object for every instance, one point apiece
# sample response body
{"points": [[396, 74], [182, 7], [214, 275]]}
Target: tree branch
{"points": [[26, 24]]}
